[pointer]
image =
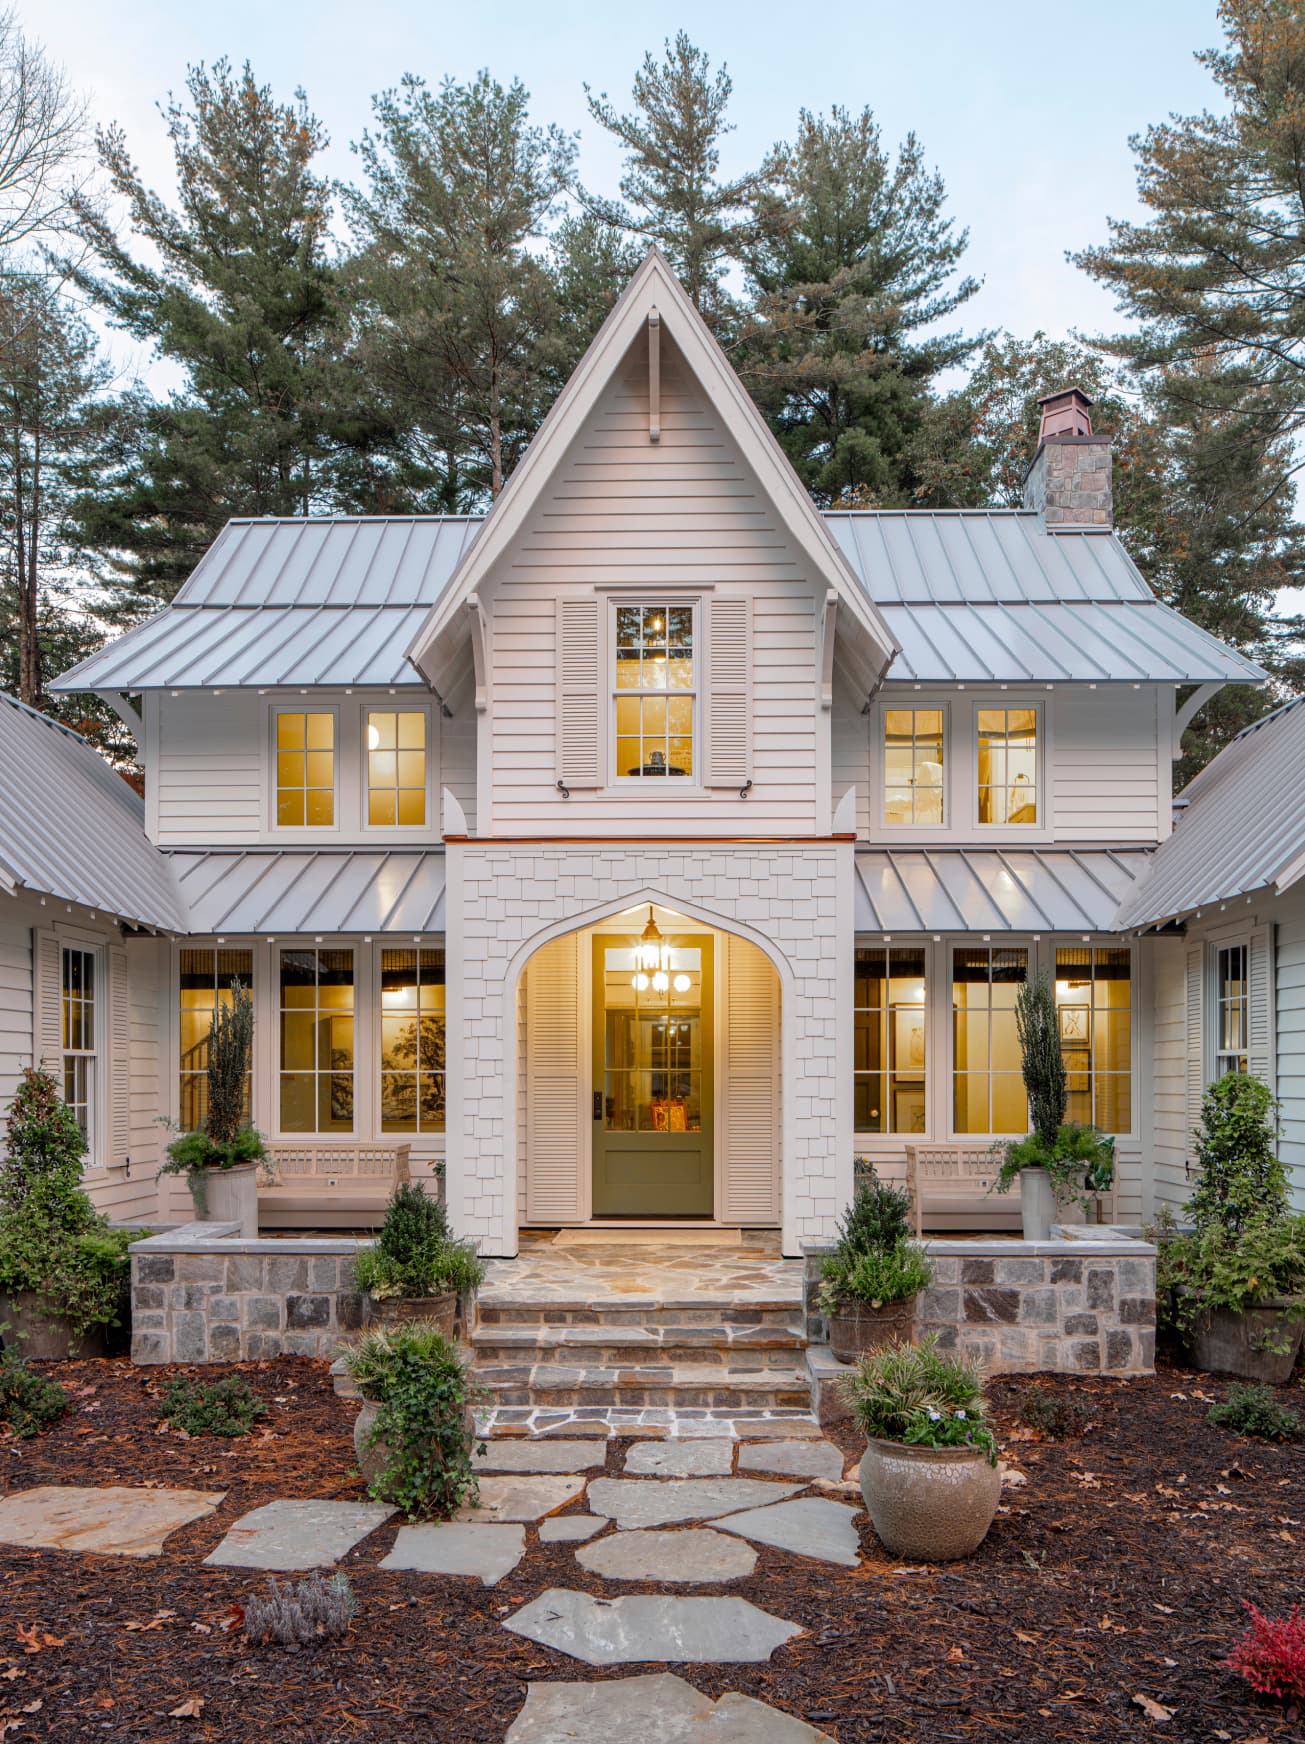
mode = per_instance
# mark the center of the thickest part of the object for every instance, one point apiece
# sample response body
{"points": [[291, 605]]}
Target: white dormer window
{"points": [[654, 693]]}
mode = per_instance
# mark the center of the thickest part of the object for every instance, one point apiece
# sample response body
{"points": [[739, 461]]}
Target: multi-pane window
{"points": [[913, 766], [1008, 765], [655, 691], [1094, 998], [1230, 1010], [80, 1030], [412, 1040], [205, 986], [987, 1081], [396, 767], [305, 768], [889, 1039], [317, 1040]]}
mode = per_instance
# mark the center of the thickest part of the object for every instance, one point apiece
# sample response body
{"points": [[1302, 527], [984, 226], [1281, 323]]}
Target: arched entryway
{"points": [[648, 1075]]}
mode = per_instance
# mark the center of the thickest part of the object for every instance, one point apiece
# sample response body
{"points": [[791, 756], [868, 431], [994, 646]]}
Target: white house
{"points": [[648, 849]]}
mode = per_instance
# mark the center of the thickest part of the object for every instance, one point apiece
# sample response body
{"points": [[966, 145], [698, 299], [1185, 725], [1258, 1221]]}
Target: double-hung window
{"points": [[1008, 766], [205, 988], [1231, 995], [305, 768], [396, 768], [80, 1026], [655, 693], [412, 1040], [913, 766]]}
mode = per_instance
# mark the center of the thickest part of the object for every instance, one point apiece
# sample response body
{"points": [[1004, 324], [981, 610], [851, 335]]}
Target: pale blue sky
{"points": [[1025, 106]]}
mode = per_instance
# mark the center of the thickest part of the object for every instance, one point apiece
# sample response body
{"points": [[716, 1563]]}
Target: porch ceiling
{"points": [[312, 892], [980, 890]]}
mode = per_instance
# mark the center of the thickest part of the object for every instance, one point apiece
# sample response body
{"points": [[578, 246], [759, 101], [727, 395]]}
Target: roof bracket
{"points": [[1190, 709], [654, 376]]}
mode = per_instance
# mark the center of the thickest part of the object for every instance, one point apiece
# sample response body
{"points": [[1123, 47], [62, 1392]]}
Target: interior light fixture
{"points": [[682, 983]]}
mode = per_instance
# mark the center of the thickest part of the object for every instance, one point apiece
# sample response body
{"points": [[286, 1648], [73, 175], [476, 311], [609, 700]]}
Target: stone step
{"points": [[558, 1385], [748, 1347], [782, 1313]]}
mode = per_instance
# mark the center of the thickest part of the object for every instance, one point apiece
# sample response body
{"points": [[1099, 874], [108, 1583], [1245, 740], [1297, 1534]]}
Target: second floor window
{"points": [[913, 766], [396, 768], [305, 769], [1230, 1010], [655, 692], [1008, 766]]}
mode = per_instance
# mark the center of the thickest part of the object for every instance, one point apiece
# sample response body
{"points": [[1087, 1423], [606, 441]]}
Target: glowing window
{"points": [[396, 768], [913, 766], [1008, 766], [654, 693], [305, 770]]}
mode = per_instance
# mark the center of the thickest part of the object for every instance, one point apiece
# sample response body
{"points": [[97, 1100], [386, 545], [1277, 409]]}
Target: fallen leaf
{"points": [[955, 1653], [1032, 1640], [34, 1639], [1168, 1610], [1153, 1710], [10, 1672], [33, 1707], [190, 1709], [105, 1702]]}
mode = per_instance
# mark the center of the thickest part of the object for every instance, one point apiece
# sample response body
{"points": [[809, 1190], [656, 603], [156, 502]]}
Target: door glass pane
{"points": [[653, 1042]]}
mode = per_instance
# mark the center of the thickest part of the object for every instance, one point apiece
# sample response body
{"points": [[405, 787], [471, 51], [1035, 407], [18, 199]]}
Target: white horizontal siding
{"points": [[1171, 1141], [15, 1000], [850, 751], [208, 769], [1291, 1039], [683, 512], [1109, 774]]}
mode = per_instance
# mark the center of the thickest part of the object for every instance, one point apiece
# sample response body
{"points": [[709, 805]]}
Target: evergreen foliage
{"points": [[914, 1394], [228, 1407], [424, 1393], [1251, 1408], [1037, 1023], [416, 1253], [29, 1402], [1239, 1176], [230, 1044]]}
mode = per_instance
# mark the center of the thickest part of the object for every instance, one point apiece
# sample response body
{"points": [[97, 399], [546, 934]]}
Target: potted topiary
{"points": [[929, 1474], [415, 1432], [1060, 1163], [869, 1284], [220, 1160], [416, 1269], [63, 1271], [1232, 1288]]}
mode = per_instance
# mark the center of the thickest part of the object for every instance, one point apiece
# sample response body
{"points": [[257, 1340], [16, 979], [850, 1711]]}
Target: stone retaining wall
{"points": [[200, 1294]]}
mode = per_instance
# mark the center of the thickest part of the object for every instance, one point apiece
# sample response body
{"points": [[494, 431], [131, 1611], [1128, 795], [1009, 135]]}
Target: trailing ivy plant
{"points": [[423, 1393], [226, 1138], [229, 1406], [54, 1245]]}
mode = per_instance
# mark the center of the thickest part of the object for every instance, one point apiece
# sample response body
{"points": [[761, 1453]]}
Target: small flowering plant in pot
{"points": [[929, 1474], [870, 1282]]}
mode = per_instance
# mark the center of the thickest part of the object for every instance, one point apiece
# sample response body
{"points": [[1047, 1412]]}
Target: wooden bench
{"points": [[328, 1185], [960, 1177]]}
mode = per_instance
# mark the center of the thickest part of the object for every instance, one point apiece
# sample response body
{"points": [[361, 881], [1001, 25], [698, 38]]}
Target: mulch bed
{"points": [[1118, 1570]]}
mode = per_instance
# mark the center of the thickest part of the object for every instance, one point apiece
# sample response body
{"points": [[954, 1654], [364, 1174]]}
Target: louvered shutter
{"points": [[1195, 1041], [729, 691], [115, 1052], [555, 1084], [579, 692], [1261, 1022], [47, 1001], [750, 1086]]}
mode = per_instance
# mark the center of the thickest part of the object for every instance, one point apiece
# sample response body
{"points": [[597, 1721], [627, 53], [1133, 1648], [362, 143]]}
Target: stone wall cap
{"points": [[1114, 1246], [209, 1243]]}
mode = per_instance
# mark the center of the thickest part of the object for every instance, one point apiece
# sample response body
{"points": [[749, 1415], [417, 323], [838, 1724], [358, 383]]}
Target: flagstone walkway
{"points": [[678, 1517]]}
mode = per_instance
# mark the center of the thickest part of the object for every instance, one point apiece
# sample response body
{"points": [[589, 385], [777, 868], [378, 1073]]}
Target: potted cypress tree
{"points": [[220, 1159]]}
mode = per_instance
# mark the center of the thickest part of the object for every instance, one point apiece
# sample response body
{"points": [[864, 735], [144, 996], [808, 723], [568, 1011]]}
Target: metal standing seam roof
{"points": [[984, 890], [71, 828], [1241, 830], [972, 596], [311, 891]]}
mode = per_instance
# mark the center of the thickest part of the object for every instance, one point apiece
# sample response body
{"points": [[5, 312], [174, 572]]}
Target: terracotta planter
{"points": [[402, 1310], [856, 1327], [929, 1504], [228, 1196], [1235, 1344], [38, 1337]]}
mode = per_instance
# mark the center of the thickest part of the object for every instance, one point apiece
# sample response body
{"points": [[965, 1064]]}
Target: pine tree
{"points": [[460, 309], [671, 191], [235, 286], [856, 260]]}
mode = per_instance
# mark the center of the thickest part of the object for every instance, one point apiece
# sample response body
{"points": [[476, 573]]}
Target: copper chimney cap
{"points": [[1065, 413]]}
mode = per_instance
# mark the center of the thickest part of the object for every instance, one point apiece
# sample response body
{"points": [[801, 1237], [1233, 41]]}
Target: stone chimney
{"points": [[1068, 480]]}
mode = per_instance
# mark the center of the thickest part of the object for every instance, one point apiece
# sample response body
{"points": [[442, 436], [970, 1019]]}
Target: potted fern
{"points": [[1060, 1161], [220, 1159]]}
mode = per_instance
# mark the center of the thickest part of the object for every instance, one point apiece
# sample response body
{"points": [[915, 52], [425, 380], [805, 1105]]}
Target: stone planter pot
{"points": [[38, 1337], [1235, 1344], [929, 1504], [228, 1196], [856, 1327], [402, 1310], [1038, 1209], [373, 1460]]}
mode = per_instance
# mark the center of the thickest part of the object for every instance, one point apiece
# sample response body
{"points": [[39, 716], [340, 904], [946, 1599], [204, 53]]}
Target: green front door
{"points": [[652, 1089]]}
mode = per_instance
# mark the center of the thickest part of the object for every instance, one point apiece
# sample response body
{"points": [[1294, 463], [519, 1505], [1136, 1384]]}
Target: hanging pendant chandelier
{"points": [[652, 957]]}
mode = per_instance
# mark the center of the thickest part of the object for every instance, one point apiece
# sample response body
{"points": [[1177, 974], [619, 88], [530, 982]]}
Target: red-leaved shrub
{"points": [[1271, 1654]]}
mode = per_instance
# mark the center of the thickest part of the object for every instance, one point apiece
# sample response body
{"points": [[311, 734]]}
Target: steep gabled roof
{"points": [[654, 286], [72, 829], [1241, 830]]}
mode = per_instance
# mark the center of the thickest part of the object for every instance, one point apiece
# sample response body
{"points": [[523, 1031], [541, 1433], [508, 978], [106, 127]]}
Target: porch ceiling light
{"points": [[652, 956]]}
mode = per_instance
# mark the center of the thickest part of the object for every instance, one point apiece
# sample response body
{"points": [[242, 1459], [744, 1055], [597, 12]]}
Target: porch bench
{"points": [[954, 1177], [329, 1185]]}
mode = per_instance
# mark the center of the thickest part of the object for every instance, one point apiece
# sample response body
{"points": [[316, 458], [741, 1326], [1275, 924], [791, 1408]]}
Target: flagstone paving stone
{"points": [[657, 1709], [689, 1557], [794, 1459], [289, 1535], [539, 1456], [113, 1520], [526, 1497], [681, 1459], [486, 1552], [811, 1526], [635, 1502], [643, 1626], [570, 1528]]}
